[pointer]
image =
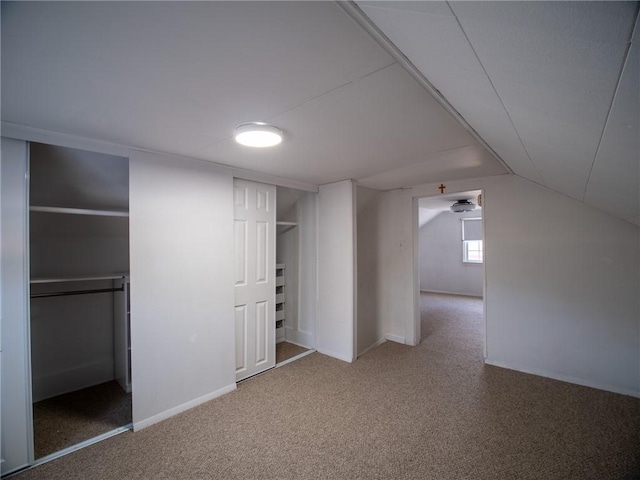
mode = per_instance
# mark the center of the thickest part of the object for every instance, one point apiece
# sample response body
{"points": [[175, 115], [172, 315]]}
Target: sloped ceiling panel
{"points": [[431, 38], [177, 77], [173, 76], [66, 177], [536, 80], [373, 125], [555, 65], [614, 184]]}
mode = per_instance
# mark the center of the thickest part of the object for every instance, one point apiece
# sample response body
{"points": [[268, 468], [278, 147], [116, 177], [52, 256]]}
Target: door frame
{"points": [[415, 324]]}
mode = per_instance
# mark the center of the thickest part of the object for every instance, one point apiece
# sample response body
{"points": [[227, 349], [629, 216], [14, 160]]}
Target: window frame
{"points": [[465, 243]]}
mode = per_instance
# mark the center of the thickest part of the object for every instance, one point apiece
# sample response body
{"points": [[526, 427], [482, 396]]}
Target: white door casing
{"points": [[254, 277]]}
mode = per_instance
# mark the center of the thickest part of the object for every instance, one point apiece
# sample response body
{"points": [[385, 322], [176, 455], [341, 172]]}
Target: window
{"points": [[472, 251], [472, 240]]}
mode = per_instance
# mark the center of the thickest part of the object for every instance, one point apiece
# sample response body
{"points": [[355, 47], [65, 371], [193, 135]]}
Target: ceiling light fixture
{"points": [[462, 206], [257, 134]]}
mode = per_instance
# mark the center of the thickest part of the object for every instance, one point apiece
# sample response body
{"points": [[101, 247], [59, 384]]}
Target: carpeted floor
{"points": [[286, 350], [429, 412], [66, 420]]}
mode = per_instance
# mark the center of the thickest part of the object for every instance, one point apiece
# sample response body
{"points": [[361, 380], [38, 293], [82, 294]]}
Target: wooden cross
{"points": [[442, 187]]}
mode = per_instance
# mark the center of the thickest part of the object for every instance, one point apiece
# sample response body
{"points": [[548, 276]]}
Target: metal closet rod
{"points": [[76, 292]]}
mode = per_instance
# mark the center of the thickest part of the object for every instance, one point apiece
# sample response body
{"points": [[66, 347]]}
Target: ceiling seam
{"points": [[361, 18], [313, 99], [613, 98], [495, 91]]}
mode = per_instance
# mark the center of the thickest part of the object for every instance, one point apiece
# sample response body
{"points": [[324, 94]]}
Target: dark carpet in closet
{"points": [[286, 350], [68, 419]]}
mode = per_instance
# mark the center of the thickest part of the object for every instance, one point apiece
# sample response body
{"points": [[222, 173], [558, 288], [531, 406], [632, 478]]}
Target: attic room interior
{"points": [[176, 303]]}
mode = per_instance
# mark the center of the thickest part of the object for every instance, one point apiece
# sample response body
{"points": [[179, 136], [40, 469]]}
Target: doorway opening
{"points": [[275, 251], [449, 255], [79, 297]]}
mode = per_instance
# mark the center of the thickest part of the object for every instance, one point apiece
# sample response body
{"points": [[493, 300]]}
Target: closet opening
{"points": [[295, 266], [79, 297], [450, 265]]}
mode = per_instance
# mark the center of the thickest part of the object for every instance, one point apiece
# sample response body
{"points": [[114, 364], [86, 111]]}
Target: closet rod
{"points": [[76, 292]]}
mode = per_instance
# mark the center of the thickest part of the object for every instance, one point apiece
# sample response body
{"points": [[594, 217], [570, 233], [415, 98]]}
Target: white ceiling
{"points": [[430, 207], [178, 77], [545, 84]]}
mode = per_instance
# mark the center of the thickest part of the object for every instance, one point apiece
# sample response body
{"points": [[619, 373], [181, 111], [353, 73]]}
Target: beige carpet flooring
{"points": [[286, 350], [427, 412], [66, 420]]}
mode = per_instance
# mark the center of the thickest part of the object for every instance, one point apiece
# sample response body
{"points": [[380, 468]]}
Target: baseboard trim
{"points": [[371, 347], [297, 337], [563, 378], [453, 293], [335, 355], [396, 338], [137, 426]]}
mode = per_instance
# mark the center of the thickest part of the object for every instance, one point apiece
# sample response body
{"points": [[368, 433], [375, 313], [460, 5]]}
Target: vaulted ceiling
{"points": [[551, 87]]}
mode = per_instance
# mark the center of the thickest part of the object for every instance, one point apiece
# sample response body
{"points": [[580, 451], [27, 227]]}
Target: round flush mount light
{"points": [[257, 134]]}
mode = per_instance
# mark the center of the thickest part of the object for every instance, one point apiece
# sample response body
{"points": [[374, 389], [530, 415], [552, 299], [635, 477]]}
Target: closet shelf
{"points": [[112, 276], [290, 224], [79, 211]]}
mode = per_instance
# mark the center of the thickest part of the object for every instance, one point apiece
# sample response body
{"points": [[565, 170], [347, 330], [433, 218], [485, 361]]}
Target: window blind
{"points": [[471, 229]]}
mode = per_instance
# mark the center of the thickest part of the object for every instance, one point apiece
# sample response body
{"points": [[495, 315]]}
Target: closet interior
{"points": [[79, 296], [295, 269]]}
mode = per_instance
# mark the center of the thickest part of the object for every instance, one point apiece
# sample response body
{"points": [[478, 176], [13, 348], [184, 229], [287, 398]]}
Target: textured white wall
{"points": [[336, 318], [181, 215], [441, 266]]}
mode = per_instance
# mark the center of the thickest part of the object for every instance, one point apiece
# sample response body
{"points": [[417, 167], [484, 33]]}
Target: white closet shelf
{"points": [[79, 211], [112, 276], [289, 224]]}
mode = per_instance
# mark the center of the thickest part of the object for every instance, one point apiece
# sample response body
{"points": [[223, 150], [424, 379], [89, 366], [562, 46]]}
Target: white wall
{"points": [[181, 216], [17, 447], [384, 260], [287, 252], [561, 284], [441, 266], [77, 245], [562, 287], [297, 249], [72, 343], [370, 332], [308, 273], [335, 329]]}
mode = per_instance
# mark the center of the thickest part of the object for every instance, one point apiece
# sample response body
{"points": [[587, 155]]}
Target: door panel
{"points": [[254, 252], [241, 336], [262, 340]]}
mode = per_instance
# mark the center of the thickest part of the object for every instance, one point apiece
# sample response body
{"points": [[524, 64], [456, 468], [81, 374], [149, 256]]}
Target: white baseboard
{"points": [[396, 338], [371, 347], [297, 337], [453, 293], [335, 355], [564, 378], [182, 408]]}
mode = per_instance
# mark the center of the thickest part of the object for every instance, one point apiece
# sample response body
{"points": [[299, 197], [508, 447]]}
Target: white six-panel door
{"points": [[254, 255]]}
